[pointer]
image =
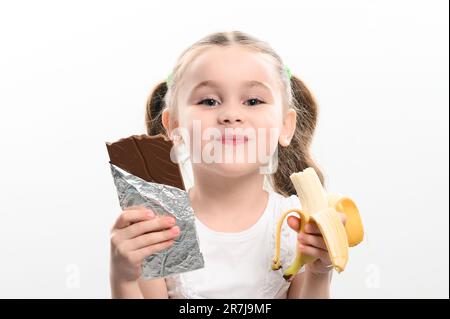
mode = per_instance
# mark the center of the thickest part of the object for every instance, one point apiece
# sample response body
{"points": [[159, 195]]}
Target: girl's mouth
{"points": [[234, 139]]}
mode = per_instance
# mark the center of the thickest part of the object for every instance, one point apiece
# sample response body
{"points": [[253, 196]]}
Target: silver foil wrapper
{"points": [[184, 255]]}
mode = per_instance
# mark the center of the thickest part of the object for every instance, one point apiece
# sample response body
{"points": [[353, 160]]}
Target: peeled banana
{"points": [[321, 208]]}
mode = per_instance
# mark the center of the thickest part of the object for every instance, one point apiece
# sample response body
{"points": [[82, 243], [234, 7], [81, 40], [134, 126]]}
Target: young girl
{"points": [[229, 81]]}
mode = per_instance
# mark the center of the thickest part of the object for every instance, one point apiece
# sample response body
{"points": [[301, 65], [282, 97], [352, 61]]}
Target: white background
{"points": [[76, 74]]}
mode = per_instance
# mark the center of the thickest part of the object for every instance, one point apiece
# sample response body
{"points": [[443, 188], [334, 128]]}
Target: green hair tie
{"points": [[169, 78], [288, 72]]}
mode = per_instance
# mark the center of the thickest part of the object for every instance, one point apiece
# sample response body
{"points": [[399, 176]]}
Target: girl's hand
{"points": [[312, 243], [137, 234]]}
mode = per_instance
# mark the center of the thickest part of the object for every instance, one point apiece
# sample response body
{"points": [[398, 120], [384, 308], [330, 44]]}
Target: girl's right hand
{"points": [[137, 234]]}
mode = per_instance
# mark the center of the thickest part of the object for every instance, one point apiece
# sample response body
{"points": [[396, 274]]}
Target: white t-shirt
{"points": [[238, 265]]}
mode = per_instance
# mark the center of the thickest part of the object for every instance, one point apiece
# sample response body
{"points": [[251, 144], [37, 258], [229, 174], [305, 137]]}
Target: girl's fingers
{"points": [[315, 252], [130, 216], [139, 255], [151, 238], [294, 222], [312, 240], [155, 224], [135, 207], [311, 228]]}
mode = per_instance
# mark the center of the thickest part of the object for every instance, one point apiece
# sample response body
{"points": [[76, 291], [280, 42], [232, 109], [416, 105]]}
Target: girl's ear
{"points": [[165, 117], [288, 128], [167, 122]]}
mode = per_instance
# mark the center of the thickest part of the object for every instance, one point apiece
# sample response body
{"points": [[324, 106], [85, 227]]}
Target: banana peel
{"points": [[321, 208]]}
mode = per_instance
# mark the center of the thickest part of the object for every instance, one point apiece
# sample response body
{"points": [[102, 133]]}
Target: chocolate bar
{"points": [[147, 157]]}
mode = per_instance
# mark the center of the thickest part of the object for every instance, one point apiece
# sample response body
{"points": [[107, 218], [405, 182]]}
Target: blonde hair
{"points": [[293, 158]]}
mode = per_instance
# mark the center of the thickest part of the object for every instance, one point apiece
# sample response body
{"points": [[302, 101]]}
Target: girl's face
{"points": [[230, 111]]}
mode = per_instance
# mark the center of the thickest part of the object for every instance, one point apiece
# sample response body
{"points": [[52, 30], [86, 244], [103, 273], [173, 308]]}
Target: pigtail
{"points": [[296, 156], [153, 111]]}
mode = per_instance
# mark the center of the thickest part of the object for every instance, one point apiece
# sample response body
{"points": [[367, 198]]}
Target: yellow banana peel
{"points": [[321, 208]]}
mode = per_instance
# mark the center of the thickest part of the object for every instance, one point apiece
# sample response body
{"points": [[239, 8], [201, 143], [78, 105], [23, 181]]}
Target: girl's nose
{"points": [[229, 117]]}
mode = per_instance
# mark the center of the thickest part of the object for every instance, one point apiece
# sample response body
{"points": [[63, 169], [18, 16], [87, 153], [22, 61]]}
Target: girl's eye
{"points": [[209, 100], [255, 101]]}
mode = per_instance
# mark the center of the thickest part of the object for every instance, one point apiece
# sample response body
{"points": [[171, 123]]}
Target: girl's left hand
{"points": [[312, 243]]}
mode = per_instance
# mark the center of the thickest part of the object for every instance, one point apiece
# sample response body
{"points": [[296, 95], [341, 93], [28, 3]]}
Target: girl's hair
{"points": [[291, 159]]}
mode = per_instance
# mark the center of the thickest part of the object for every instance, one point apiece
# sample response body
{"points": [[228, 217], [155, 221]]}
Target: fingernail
{"points": [[176, 230], [171, 220], [150, 213]]}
